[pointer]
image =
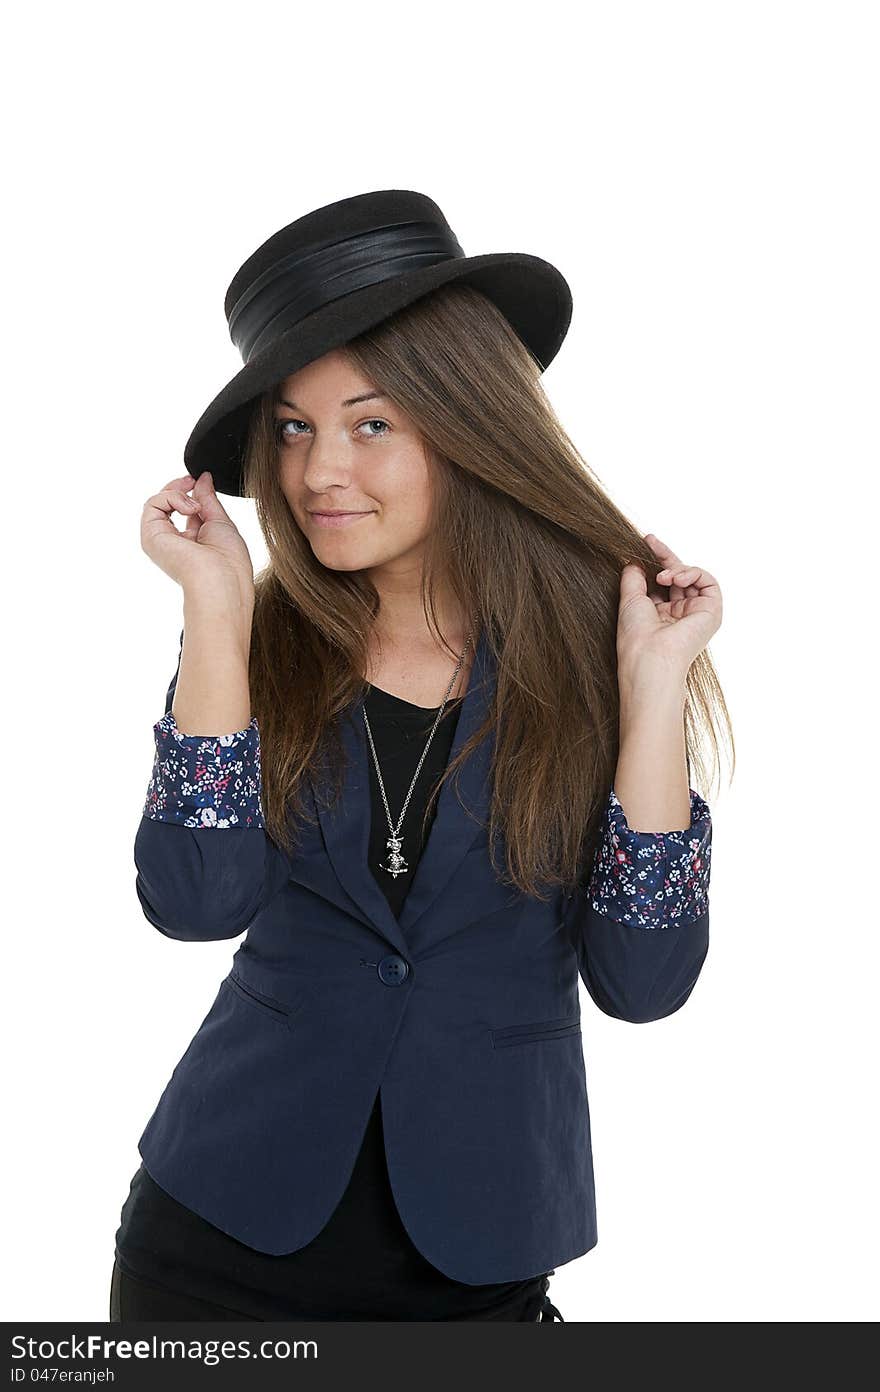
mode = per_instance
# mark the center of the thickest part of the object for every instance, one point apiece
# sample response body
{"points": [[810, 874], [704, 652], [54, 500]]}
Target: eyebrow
{"points": [[352, 400]]}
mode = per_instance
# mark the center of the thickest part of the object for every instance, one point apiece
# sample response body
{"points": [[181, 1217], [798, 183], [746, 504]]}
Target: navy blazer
{"points": [[465, 1011]]}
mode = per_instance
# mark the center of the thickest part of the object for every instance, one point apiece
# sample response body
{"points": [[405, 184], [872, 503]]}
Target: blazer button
{"points": [[392, 969]]}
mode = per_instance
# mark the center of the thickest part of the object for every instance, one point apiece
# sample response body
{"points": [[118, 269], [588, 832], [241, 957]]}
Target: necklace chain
{"points": [[397, 865]]}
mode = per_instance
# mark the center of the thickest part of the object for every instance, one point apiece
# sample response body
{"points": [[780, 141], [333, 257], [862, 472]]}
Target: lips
{"points": [[338, 519]]}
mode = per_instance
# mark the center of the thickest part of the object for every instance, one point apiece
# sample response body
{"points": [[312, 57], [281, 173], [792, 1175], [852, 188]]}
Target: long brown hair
{"points": [[529, 543]]}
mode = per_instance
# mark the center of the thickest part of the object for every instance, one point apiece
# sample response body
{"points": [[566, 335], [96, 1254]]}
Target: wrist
{"points": [[646, 693], [229, 607]]}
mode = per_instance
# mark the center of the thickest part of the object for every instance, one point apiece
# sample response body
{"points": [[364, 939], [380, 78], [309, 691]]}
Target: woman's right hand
{"points": [[209, 558]]}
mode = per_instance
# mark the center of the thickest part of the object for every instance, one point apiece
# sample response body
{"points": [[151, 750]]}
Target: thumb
{"points": [[209, 504], [632, 582]]}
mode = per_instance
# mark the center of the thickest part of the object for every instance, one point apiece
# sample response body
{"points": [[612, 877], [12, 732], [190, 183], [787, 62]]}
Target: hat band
{"points": [[326, 271]]}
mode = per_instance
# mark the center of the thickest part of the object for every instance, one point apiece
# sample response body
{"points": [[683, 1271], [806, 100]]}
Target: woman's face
{"points": [[362, 458]]}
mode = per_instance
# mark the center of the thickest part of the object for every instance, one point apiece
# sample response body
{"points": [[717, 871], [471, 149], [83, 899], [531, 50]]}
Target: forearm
{"points": [[642, 927], [212, 696], [651, 779], [205, 866]]}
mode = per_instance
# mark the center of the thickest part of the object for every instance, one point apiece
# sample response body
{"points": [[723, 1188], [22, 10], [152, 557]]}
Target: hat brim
{"points": [[531, 293]]}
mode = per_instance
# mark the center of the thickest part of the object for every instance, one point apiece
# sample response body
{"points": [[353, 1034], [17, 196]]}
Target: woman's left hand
{"points": [[658, 639]]}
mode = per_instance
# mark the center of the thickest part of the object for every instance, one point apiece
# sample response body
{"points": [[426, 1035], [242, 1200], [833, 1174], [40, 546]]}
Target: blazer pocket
{"points": [[269, 1005], [541, 1029]]}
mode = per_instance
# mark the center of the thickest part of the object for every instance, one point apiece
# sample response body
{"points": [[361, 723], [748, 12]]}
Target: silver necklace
{"points": [[396, 864]]}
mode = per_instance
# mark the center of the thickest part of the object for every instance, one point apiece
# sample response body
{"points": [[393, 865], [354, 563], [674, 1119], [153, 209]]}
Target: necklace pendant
{"points": [[396, 863]]}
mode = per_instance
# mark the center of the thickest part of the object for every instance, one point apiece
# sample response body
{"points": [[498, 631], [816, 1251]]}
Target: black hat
{"points": [[340, 270]]}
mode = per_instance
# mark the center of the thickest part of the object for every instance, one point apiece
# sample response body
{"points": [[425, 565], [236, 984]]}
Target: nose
{"points": [[319, 478], [326, 464]]}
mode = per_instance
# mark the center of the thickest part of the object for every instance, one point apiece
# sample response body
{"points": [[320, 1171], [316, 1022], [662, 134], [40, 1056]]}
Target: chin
{"points": [[336, 558]]}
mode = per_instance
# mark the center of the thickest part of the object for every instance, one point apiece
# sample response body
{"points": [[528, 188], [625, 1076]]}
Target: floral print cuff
{"points": [[653, 879], [205, 781]]}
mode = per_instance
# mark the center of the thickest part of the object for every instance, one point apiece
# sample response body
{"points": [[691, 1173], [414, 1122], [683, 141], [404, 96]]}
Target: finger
{"points": [[180, 485], [669, 557], [168, 501], [188, 507], [671, 561], [661, 550], [677, 573], [632, 582], [210, 504], [685, 577]]}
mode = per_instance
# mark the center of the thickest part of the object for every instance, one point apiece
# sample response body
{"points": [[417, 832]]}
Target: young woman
{"points": [[434, 764]]}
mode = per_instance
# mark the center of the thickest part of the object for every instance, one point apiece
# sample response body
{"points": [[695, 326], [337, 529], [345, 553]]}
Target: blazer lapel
{"points": [[346, 825]]}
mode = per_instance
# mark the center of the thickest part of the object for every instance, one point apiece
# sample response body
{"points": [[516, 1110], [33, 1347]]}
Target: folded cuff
{"points": [[203, 780], [653, 879]]}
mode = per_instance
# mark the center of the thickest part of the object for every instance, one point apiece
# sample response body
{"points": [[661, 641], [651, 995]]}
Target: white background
{"points": [[705, 176]]}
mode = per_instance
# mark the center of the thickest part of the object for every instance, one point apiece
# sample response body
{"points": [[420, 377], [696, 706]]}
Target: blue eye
{"points": [[283, 434], [281, 428]]}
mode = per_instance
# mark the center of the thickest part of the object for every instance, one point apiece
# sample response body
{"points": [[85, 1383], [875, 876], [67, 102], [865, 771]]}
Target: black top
{"points": [[363, 1264]]}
